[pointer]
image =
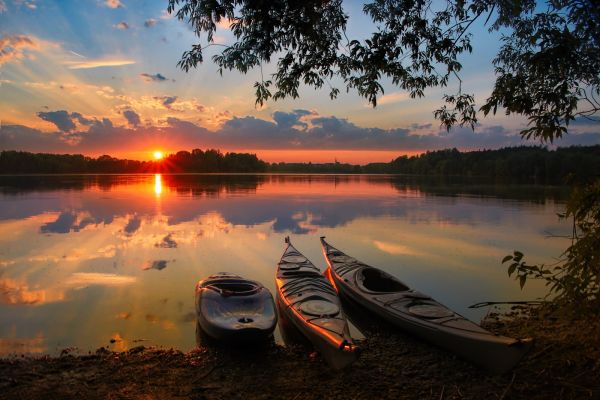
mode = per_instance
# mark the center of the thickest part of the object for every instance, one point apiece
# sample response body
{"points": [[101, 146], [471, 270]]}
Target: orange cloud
{"points": [[119, 344], [88, 64], [14, 47], [14, 292], [113, 3]]}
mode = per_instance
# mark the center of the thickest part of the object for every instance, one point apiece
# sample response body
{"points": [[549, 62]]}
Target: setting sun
{"points": [[158, 155]]}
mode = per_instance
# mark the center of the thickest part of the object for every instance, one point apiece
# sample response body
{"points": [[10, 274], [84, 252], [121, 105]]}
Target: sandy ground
{"points": [[564, 363]]}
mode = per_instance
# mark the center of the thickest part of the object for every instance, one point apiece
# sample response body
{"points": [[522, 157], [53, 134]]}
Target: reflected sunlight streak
{"points": [[157, 184]]}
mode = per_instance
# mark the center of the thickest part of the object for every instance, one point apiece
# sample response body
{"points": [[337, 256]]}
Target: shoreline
{"points": [[564, 363]]}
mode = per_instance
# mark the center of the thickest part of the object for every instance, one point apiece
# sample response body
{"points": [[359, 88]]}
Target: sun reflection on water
{"points": [[157, 184]]}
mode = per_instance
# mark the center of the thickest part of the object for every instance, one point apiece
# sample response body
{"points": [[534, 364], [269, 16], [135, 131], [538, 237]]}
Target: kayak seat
{"points": [[374, 280]]}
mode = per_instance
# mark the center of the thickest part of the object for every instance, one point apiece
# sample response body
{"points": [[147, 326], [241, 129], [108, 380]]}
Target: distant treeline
{"points": [[514, 163], [524, 164], [19, 162], [324, 168]]}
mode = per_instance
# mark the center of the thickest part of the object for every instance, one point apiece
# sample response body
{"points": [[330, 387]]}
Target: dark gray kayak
{"points": [[419, 314], [311, 304], [231, 308]]}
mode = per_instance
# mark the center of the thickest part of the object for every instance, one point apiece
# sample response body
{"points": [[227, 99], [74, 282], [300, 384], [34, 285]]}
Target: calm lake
{"points": [[87, 259]]}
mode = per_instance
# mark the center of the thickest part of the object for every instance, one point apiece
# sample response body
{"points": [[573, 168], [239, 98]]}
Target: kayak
{"points": [[311, 304], [231, 308], [291, 336], [419, 314]]}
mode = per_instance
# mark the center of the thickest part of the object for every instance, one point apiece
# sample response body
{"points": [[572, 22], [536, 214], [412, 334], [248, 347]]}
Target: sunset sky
{"points": [[100, 77]]}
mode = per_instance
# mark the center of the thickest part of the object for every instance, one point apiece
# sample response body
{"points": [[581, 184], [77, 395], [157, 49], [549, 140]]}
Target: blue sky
{"points": [[100, 76]]}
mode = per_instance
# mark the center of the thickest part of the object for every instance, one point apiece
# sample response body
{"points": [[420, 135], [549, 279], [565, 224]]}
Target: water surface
{"points": [[87, 259]]}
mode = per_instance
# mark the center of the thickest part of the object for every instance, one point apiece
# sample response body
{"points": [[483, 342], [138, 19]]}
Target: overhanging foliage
{"points": [[548, 68]]}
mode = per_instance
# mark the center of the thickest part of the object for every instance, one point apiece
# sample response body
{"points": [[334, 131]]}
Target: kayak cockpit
{"points": [[234, 288], [376, 281]]}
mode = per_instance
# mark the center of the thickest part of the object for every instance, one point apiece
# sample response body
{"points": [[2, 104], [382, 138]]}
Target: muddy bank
{"points": [[564, 363]]}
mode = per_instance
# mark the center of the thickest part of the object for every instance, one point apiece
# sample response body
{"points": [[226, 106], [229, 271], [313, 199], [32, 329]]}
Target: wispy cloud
{"points": [[71, 88], [89, 63], [421, 126], [76, 54], [3, 6], [84, 279], [28, 4], [394, 248], [153, 78], [394, 97]]}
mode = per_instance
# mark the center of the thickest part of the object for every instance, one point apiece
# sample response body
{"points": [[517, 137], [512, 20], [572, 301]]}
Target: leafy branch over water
{"points": [[546, 68], [575, 279]]}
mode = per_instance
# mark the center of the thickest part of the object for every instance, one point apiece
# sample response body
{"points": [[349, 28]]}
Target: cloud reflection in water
{"points": [[63, 234], [81, 280]]}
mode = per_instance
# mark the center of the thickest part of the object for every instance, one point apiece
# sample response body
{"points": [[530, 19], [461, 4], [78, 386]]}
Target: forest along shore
{"points": [[523, 164], [564, 364]]}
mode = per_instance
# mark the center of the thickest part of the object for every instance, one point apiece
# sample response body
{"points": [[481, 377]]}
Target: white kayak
{"points": [[417, 313]]}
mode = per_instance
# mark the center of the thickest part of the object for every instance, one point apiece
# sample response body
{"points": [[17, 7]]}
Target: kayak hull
{"points": [[420, 315], [233, 309], [307, 300]]}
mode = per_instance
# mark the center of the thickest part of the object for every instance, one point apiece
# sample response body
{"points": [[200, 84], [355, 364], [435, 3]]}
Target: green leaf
{"points": [[512, 268], [507, 258], [522, 280], [518, 255]]}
